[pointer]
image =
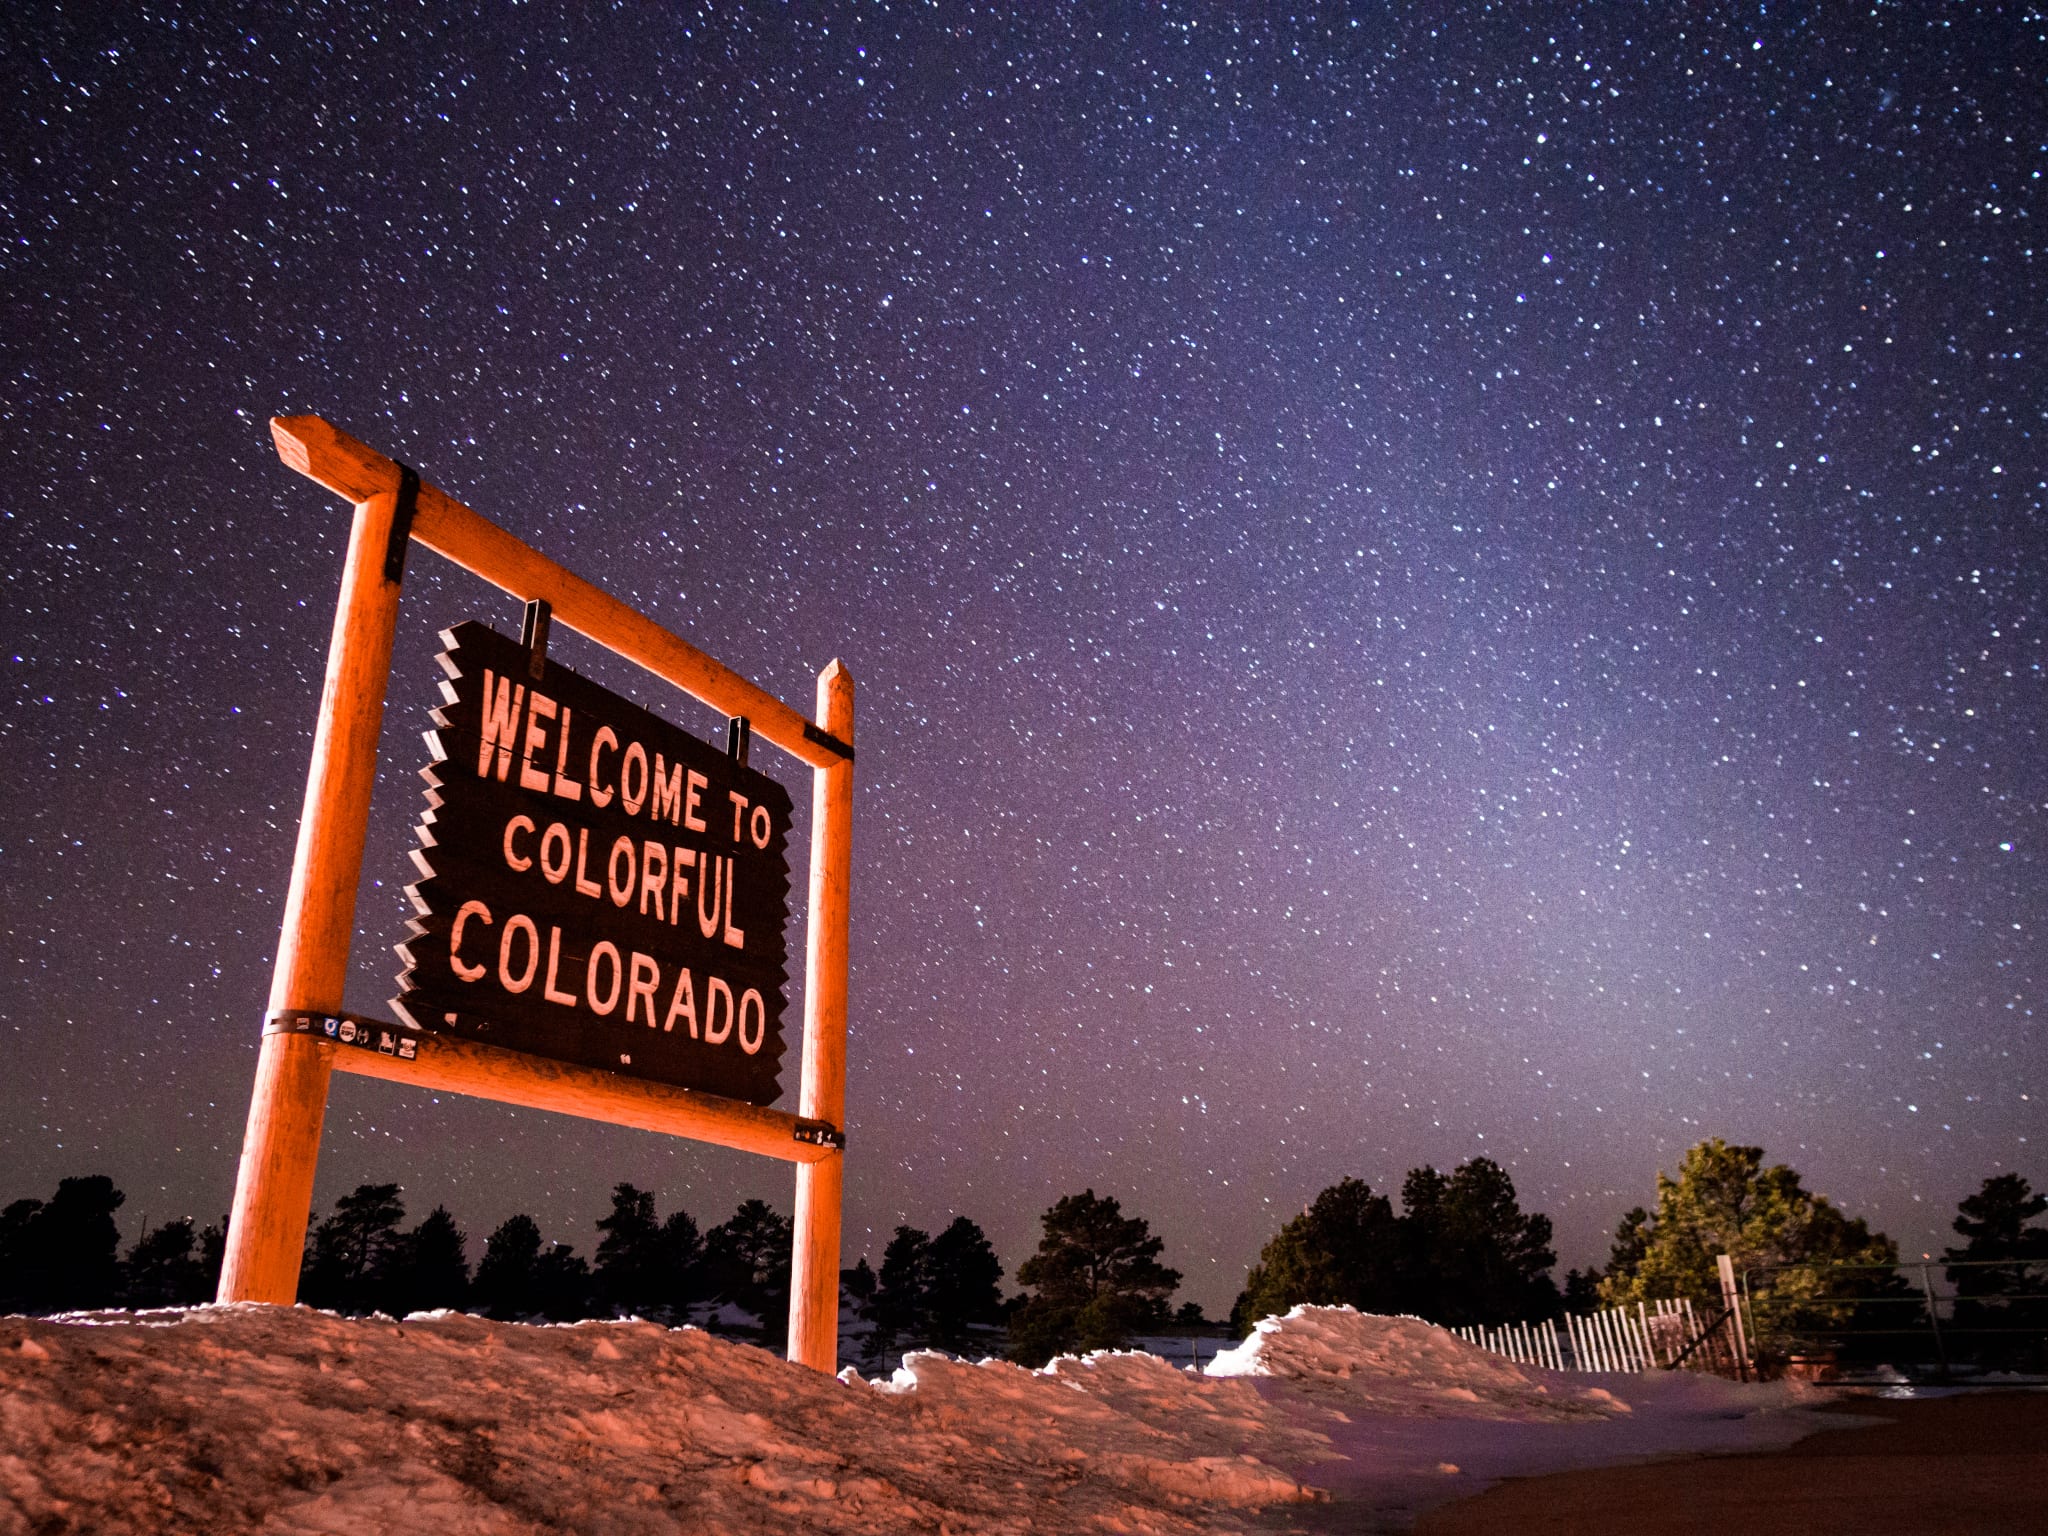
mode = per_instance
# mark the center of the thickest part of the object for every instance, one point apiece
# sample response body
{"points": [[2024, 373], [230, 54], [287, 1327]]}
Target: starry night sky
{"points": [[1424, 582]]}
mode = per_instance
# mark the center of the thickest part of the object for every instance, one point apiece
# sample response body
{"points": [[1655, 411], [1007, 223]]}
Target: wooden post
{"points": [[274, 1187], [814, 1277], [1731, 1298]]}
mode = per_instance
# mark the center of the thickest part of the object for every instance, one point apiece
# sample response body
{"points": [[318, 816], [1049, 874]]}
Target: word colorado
{"points": [[600, 886]]}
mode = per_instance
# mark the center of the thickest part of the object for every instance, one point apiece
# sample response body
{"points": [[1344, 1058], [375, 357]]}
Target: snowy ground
{"points": [[292, 1421]]}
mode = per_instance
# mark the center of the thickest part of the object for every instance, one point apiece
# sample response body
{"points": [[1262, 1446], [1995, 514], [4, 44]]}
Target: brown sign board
{"points": [[600, 887]]}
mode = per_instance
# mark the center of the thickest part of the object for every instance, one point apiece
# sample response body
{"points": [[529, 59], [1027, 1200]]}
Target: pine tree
{"points": [[1999, 1311], [1828, 1280], [425, 1269], [1342, 1250], [506, 1285], [1725, 1200], [962, 1285], [748, 1257], [349, 1248], [61, 1255], [1096, 1279], [628, 1272], [1471, 1254], [898, 1307], [164, 1269], [561, 1284]]}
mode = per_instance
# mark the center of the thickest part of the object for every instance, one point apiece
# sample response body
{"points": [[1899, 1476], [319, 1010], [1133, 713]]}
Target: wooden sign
{"points": [[490, 848], [600, 887]]}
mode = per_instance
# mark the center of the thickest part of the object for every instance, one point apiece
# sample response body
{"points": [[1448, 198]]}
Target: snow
{"points": [[1402, 1365], [298, 1421]]}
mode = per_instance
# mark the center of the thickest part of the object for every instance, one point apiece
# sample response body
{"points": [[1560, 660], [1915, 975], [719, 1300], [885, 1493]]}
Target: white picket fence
{"points": [[1647, 1336]]}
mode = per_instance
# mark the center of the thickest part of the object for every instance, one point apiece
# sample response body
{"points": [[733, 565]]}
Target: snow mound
{"points": [[291, 1420], [1404, 1366]]}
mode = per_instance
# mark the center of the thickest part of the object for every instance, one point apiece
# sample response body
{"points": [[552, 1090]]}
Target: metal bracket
{"points": [[739, 737], [345, 1029], [827, 740], [533, 634], [401, 523], [818, 1134]]}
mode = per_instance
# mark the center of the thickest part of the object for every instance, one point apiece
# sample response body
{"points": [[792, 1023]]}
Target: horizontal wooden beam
{"points": [[446, 1064], [325, 454]]}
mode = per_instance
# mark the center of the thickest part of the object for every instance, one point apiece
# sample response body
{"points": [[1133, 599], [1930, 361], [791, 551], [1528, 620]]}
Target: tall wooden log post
{"points": [[274, 1189], [814, 1280]]}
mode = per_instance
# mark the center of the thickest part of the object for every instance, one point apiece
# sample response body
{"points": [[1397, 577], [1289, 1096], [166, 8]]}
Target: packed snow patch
{"points": [[287, 1420], [290, 1420], [1402, 1365]]}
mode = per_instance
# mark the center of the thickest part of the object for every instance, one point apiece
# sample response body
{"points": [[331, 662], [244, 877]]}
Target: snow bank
{"points": [[297, 1421], [1404, 1366], [294, 1422]]}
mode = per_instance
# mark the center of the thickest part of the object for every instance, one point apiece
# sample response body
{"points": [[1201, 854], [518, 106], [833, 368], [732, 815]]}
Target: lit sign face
{"points": [[601, 887]]}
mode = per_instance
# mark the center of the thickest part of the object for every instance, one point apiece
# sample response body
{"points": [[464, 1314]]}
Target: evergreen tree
{"points": [[14, 1229], [164, 1269], [507, 1284], [61, 1255], [962, 1285], [213, 1254], [1725, 1200], [2004, 1302], [629, 1270], [859, 1284], [748, 1258], [349, 1249], [1470, 1253], [1096, 1279], [898, 1307], [1582, 1292], [425, 1269], [561, 1284], [1343, 1250]]}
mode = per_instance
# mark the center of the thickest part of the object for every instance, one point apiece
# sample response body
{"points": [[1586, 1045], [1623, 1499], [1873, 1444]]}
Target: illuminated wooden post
{"points": [[814, 1277], [274, 1187]]}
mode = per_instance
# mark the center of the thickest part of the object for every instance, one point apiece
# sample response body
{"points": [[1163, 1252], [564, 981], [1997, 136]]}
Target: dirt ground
{"points": [[1972, 1463]]}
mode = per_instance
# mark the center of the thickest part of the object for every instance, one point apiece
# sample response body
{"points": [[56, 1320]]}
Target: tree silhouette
{"points": [[897, 1307], [424, 1269], [349, 1249], [646, 1266], [507, 1285], [60, 1254], [1994, 1224], [165, 1268], [1343, 1250], [748, 1258], [962, 1284], [561, 1283], [1096, 1280], [1469, 1253]]}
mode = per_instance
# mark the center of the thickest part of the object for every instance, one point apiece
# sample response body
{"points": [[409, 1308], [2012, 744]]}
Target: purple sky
{"points": [[1419, 588]]}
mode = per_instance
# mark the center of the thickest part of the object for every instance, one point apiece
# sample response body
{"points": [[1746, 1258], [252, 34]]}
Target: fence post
{"points": [[1934, 1321], [1731, 1298]]}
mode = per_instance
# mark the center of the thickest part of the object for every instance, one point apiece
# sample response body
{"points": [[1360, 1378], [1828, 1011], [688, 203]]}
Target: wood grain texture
{"points": [[274, 1185], [449, 1064], [814, 1283]]}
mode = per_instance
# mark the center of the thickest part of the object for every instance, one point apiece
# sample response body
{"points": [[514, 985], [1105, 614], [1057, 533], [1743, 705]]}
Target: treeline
{"points": [[1461, 1250], [362, 1258], [63, 1254]]}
